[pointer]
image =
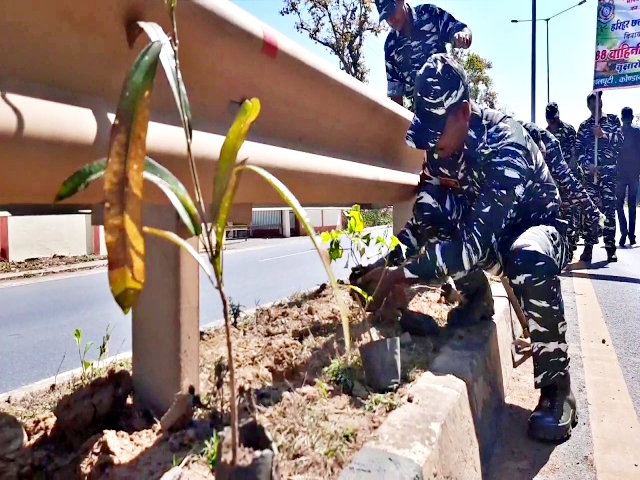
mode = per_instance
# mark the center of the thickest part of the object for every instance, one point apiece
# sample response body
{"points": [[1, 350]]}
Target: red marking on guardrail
{"points": [[269, 43]]}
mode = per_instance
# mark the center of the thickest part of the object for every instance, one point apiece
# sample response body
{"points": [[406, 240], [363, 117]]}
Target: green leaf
{"points": [[226, 178], [86, 365], [248, 113], [182, 243], [153, 172], [174, 76], [365, 296], [394, 242], [77, 334], [300, 213], [123, 180], [326, 237], [87, 347]]}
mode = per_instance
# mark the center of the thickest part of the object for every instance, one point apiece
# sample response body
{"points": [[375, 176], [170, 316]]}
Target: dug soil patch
{"points": [[292, 374]]}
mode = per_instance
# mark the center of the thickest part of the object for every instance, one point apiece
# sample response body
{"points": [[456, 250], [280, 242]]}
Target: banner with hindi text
{"points": [[617, 63]]}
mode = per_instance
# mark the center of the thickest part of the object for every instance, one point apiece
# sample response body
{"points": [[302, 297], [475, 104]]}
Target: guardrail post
{"points": [[165, 324], [402, 212]]}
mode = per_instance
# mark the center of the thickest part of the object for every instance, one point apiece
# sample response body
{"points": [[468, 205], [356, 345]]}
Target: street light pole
{"points": [[533, 51], [548, 88]]}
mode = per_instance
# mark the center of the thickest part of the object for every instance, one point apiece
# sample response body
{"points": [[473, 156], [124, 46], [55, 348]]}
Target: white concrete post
{"points": [[165, 326], [402, 213], [286, 223]]}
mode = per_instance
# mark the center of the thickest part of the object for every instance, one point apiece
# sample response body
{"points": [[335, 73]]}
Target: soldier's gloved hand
{"points": [[601, 219]]}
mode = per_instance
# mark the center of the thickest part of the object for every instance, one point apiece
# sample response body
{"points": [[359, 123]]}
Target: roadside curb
{"points": [[448, 429], [45, 384], [53, 270]]}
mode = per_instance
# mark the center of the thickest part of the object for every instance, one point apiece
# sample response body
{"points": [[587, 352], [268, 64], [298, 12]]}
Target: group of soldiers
{"points": [[495, 195]]}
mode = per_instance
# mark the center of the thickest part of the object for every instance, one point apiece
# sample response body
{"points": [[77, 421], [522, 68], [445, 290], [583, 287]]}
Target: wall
{"points": [[23, 237], [48, 235]]}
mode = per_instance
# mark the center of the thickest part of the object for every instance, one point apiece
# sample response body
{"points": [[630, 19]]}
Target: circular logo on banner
{"points": [[606, 11]]}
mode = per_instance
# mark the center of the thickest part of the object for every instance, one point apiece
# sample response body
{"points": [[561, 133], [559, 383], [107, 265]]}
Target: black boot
{"points": [[611, 254], [587, 254], [477, 303], [556, 413], [623, 240], [632, 239]]}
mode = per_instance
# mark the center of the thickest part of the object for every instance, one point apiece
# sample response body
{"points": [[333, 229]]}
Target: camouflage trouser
{"points": [[532, 265], [573, 215], [603, 194]]}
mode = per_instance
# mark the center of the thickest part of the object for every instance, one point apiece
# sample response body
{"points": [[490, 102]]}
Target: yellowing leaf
{"points": [[123, 180], [249, 111]]}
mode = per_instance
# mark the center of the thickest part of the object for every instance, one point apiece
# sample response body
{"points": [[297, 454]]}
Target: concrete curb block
{"points": [[45, 384], [53, 270], [449, 428]]}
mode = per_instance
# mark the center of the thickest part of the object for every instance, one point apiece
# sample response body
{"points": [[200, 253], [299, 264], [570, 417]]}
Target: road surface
{"points": [[37, 320], [602, 307]]}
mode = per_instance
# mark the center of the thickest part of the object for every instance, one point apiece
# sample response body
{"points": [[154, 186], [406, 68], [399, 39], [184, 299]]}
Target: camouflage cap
{"points": [[552, 111], [386, 8], [441, 86], [532, 129]]}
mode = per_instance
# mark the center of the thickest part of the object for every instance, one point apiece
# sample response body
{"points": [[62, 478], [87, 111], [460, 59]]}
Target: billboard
{"points": [[617, 62]]}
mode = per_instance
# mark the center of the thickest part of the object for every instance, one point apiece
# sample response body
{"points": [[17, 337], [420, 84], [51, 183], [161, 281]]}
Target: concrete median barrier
{"points": [[448, 429]]}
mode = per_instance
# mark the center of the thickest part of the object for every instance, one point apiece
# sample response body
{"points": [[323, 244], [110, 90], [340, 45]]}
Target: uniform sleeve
{"points": [[503, 186], [571, 142], [615, 137], [395, 82], [571, 190], [582, 137], [449, 26]]}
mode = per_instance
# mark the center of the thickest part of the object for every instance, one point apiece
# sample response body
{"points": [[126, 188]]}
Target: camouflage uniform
{"points": [[566, 135], [572, 192], [430, 29], [502, 214], [602, 191]]}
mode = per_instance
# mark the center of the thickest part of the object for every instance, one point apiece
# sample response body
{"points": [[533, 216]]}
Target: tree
{"points": [[636, 119], [480, 83], [338, 25]]}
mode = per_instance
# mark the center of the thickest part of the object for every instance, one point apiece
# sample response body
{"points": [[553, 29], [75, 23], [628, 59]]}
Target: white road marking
{"points": [[313, 250], [614, 422]]}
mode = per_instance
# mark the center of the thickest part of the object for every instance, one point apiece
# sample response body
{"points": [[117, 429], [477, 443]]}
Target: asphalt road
{"points": [[617, 291], [37, 320]]}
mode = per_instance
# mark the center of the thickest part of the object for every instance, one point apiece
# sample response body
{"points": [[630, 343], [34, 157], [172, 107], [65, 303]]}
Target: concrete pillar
{"points": [[286, 223], [165, 325], [402, 213]]}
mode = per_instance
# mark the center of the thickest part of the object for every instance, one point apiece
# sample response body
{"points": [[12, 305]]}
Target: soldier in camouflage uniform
{"points": [[419, 32], [572, 192], [503, 216], [566, 135], [601, 182]]}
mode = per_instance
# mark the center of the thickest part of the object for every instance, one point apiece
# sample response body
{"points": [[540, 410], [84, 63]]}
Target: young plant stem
{"points": [[232, 380], [175, 42]]}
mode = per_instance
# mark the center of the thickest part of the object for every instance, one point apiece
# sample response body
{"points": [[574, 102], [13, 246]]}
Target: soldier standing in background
{"points": [[601, 180], [566, 135], [572, 192], [419, 32], [628, 174]]}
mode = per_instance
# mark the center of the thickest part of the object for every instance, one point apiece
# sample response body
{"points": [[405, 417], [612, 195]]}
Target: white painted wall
{"points": [[48, 235]]}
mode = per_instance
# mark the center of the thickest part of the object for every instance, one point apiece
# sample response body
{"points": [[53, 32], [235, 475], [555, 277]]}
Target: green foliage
{"points": [[210, 451], [340, 26], [480, 82], [377, 217]]}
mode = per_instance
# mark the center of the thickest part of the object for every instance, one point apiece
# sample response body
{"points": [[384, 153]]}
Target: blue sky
{"points": [[508, 46]]}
